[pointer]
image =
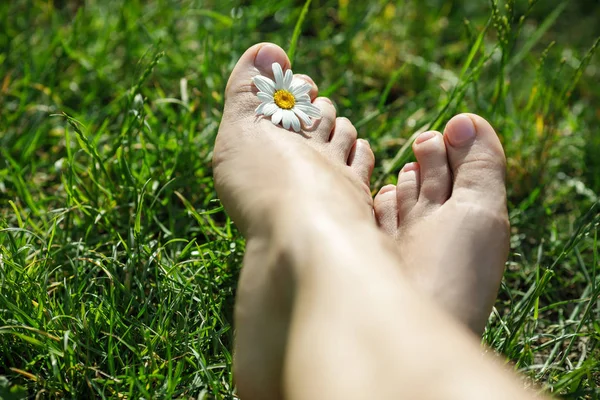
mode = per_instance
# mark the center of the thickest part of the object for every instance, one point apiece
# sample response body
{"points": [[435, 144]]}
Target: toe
{"points": [[342, 138], [362, 160], [477, 161], [385, 206], [435, 177], [258, 59], [322, 127], [407, 189]]}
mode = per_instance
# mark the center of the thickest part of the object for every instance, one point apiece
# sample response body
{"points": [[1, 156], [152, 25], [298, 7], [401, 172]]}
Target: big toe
{"points": [[240, 93], [258, 59], [477, 161]]}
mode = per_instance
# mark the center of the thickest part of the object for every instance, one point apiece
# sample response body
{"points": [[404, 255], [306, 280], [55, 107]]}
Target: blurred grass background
{"points": [[117, 263]]}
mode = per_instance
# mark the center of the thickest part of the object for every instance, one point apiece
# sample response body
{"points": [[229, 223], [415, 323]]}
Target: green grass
{"points": [[117, 263]]}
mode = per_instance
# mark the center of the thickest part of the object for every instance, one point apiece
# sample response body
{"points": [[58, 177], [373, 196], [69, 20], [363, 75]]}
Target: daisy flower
{"points": [[285, 100]]}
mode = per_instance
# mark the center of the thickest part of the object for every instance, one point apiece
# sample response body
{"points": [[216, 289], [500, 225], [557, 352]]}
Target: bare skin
{"points": [[448, 217], [323, 311], [265, 176]]}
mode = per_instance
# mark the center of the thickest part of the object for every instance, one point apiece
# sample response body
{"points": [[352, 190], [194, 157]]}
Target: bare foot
{"points": [[250, 146], [274, 181], [319, 298], [448, 216]]}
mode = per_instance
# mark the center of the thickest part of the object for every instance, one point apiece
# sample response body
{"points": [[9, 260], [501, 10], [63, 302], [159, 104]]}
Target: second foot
{"points": [[448, 216]]}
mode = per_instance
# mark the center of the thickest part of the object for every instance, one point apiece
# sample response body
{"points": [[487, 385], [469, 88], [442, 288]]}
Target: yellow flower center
{"points": [[284, 99]]}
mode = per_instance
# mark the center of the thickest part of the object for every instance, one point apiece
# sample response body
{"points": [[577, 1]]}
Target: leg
{"points": [[359, 330], [265, 176], [323, 311]]}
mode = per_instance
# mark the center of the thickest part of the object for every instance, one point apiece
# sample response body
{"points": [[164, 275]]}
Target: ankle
{"points": [[326, 243]]}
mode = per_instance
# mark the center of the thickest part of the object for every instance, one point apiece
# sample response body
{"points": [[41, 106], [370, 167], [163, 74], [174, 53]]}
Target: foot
{"points": [[449, 219], [250, 147], [268, 177]]}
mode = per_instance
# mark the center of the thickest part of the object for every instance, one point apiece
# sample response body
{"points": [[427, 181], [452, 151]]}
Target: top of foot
{"points": [[279, 186], [448, 215], [259, 165]]}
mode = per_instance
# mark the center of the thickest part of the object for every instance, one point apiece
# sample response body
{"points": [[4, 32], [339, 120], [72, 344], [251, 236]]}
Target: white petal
{"points": [[287, 118], [265, 97], [303, 99], [309, 109], [302, 90], [263, 106], [295, 124], [270, 109], [287, 79], [264, 84], [300, 87], [278, 73], [276, 118], [302, 115]]}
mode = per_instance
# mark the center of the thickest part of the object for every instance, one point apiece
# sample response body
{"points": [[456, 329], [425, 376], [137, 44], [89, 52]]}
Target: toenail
{"points": [[411, 166], [425, 136], [462, 130], [265, 58], [325, 99], [305, 78], [387, 189]]}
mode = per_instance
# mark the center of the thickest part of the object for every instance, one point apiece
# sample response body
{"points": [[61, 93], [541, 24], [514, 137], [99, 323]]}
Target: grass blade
{"points": [[297, 31]]}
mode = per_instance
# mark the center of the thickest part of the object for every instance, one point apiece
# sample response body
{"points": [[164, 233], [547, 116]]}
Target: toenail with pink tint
{"points": [[425, 136], [411, 166], [387, 189], [462, 131], [265, 57]]}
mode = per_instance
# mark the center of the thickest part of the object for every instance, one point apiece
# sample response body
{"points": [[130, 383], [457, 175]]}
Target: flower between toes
{"points": [[285, 100]]}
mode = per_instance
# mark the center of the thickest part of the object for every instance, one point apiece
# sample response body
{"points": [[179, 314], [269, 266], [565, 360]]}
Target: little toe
{"points": [[407, 189], [385, 206], [321, 128], [342, 138], [477, 161], [361, 160], [435, 176]]}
